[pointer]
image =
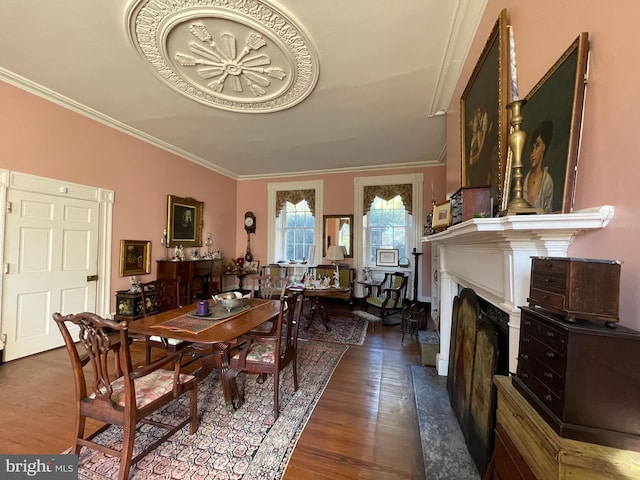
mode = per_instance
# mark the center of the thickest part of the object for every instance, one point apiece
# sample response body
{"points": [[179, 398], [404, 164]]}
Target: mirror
{"points": [[338, 230]]}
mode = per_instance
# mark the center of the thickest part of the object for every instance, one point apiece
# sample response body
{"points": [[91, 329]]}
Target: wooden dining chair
{"points": [[160, 296], [269, 354], [115, 392], [267, 286]]}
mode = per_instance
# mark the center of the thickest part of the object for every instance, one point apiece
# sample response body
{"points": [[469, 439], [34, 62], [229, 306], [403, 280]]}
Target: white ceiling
{"points": [[386, 72]]}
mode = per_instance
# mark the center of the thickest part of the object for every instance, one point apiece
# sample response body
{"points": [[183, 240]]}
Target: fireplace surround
{"points": [[492, 256]]}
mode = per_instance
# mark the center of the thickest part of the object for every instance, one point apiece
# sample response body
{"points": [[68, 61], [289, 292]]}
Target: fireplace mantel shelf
{"points": [[524, 227], [493, 257]]}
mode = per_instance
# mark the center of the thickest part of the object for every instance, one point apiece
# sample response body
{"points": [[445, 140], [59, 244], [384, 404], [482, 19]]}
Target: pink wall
{"points": [[338, 199], [543, 31], [44, 139]]}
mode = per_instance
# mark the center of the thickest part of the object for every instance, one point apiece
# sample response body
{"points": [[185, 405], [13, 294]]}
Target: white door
{"points": [[51, 247]]}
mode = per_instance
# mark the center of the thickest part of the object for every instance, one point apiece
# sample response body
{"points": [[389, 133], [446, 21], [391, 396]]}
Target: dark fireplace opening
{"points": [[479, 350]]}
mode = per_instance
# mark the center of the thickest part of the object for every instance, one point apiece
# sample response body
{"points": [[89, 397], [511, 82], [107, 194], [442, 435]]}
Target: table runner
{"points": [[186, 323]]}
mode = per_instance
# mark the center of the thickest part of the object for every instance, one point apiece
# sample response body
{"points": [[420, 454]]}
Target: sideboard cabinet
{"points": [[192, 273]]}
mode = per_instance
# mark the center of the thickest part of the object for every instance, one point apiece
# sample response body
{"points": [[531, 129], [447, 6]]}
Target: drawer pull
{"points": [[545, 297], [548, 375], [525, 375], [548, 280], [525, 340], [548, 264], [547, 397], [549, 354], [524, 356], [550, 334], [527, 322]]}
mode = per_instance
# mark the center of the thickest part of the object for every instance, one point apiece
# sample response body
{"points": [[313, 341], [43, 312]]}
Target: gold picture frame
{"points": [[483, 116], [135, 257], [184, 221], [441, 215]]}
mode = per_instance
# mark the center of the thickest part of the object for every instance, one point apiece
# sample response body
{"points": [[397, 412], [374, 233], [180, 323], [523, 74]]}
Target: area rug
{"points": [[228, 445], [344, 329]]}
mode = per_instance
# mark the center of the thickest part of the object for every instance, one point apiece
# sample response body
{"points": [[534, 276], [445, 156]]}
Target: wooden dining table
{"points": [[211, 344]]}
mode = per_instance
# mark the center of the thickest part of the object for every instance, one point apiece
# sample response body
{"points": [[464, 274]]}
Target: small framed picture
{"points": [[387, 257], [135, 257], [253, 266], [441, 215]]}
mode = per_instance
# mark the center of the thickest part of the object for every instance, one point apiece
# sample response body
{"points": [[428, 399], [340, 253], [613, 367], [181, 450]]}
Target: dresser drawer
{"points": [[544, 332], [548, 283], [549, 266], [546, 299]]}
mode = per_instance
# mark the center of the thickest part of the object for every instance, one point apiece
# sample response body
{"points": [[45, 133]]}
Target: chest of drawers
{"points": [[576, 287], [581, 377]]}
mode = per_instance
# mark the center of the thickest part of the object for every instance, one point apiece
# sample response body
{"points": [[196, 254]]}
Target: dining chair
{"points": [[267, 286], [160, 296], [269, 354], [388, 296], [115, 392]]}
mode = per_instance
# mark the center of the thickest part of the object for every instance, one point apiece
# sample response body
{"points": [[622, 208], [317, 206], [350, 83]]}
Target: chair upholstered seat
{"points": [[170, 341], [260, 352], [148, 388]]}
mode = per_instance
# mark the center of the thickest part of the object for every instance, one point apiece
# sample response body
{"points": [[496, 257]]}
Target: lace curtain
{"points": [[295, 197], [387, 192]]}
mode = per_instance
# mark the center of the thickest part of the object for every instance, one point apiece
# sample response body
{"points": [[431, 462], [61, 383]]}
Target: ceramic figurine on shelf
{"points": [[336, 278]]}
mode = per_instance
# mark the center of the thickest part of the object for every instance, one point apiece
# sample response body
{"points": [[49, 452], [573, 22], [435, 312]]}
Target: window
{"points": [[387, 214], [295, 228], [294, 221], [387, 224]]}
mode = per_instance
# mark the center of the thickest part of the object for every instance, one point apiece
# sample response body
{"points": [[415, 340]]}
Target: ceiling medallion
{"points": [[241, 56]]}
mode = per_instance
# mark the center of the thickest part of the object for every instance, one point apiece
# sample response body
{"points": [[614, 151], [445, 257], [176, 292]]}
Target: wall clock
{"points": [[250, 222]]}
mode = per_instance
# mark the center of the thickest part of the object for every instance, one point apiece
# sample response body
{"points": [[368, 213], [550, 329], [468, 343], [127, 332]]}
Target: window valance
{"points": [[295, 197], [387, 192]]}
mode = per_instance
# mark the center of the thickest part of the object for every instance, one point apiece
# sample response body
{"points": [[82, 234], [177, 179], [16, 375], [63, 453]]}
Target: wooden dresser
{"points": [[527, 447], [582, 377], [189, 272]]}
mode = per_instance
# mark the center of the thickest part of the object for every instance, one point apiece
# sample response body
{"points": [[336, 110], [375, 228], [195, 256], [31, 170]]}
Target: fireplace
{"points": [[483, 272], [492, 256]]}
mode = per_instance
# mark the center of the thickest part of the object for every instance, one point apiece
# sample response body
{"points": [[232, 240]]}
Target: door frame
{"points": [[61, 188]]}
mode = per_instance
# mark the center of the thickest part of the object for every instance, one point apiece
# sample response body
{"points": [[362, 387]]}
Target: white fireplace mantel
{"points": [[493, 257]]}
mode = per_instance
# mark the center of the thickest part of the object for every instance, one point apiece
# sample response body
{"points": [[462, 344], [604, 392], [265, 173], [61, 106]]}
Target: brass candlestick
{"points": [[518, 205]]}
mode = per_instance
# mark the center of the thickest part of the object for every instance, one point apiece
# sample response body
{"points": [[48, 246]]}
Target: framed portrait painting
{"points": [[184, 221], [483, 115], [135, 257], [552, 122]]}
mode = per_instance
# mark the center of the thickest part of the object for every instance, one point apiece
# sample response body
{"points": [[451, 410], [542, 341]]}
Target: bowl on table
{"points": [[230, 300]]}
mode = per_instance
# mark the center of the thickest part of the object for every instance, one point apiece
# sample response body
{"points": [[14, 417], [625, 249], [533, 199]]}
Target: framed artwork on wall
{"points": [[552, 121], [135, 257], [184, 221], [483, 115]]}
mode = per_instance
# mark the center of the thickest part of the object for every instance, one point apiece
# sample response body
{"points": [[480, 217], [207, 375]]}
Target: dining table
{"points": [[211, 335]]}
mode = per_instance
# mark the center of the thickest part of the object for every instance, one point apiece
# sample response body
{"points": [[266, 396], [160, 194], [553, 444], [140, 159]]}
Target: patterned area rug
{"points": [[246, 443], [344, 329]]}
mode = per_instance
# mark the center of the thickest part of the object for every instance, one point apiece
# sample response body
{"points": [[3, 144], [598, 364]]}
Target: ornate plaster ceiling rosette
{"points": [[242, 56]]}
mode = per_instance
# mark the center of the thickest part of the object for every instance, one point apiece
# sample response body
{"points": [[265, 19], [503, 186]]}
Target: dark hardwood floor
{"points": [[364, 426]]}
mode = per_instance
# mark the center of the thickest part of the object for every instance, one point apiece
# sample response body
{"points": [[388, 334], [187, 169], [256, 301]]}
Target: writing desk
{"points": [[219, 336]]}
